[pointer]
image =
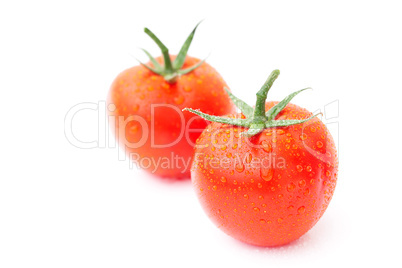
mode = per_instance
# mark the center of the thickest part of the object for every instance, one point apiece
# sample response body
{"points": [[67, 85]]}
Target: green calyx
{"points": [[257, 119], [171, 70]]}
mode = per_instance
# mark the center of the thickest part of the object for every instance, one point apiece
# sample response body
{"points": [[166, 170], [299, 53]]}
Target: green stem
{"points": [[257, 120], [262, 94], [164, 49]]}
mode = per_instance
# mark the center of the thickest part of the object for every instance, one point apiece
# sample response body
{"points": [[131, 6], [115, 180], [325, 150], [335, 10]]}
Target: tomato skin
{"points": [[136, 90], [274, 202]]}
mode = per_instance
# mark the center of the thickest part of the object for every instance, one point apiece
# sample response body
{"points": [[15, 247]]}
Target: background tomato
{"points": [[148, 116]]}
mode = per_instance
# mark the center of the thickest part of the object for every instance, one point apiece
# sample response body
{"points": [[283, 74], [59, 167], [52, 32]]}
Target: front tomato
{"points": [[271, 187]]}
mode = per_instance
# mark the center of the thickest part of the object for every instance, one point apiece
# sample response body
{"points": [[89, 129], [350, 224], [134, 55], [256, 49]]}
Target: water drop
{"points": [[291, 187], [214, 188], [223, 179], [249, 157], [309, 168], [179, 99], [266, 146], [267, 174], [299, 168], [303, 136], [255, 209], [319, 144], [306, 192], [301, 209], [302, 183], [133, 129], [239, 167]]}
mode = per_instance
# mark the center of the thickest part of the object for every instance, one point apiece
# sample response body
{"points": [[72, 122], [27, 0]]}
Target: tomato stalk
{"points": [[257, 119], [171, 70]]}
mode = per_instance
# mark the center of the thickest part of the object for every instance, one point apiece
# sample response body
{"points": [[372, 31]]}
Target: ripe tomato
{"points": [[269, 188], [148, 101]]}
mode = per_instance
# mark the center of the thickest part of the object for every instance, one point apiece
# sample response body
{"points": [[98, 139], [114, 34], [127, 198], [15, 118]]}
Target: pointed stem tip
{"points": [[263, 93]]}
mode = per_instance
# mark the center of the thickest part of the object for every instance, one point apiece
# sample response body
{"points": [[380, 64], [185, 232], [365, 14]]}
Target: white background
{"points": [[62, 206]]}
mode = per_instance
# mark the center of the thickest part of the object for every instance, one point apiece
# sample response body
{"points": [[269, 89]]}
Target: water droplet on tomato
{"points": [[259, 185], [309, 168], [245, 196], [255, 209], [299, 168], [319, 144], [303, 136], [306, 192], [179, 99], [214, 188], [291, 187], [134, 129], [301, 209], [266, 146], [249, 157], [280, 220], [262, 221], [239, 167], [280, 131], [267, 173], [302, 183], [223, 179]]}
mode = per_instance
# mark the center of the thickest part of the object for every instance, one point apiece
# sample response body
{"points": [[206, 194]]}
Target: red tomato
{"points": [[271, 188], [149, 121]]}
